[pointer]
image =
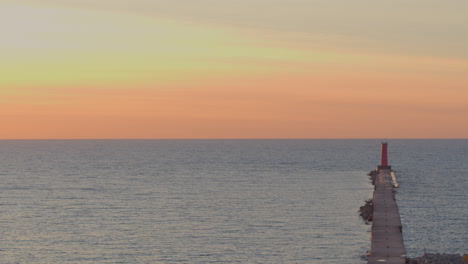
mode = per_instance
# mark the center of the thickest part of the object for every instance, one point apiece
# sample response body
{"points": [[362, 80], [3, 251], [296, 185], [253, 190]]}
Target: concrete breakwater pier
{"points": [[386, 232]]}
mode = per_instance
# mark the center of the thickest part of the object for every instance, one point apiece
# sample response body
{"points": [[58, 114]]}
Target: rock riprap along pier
{"points": [[430, 258]]}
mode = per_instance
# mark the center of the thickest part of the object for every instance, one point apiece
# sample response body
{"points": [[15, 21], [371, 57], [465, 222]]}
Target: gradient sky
{"points": [[233, 69]]}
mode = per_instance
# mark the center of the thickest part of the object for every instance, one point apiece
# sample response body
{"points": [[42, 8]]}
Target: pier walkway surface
{"points": [[387, 240]]}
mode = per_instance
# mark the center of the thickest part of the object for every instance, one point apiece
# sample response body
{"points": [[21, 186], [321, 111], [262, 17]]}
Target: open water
{"points": [[215, 201]]}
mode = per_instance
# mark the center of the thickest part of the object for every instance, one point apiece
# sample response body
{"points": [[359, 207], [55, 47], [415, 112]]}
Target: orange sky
{"points": [[149, 69]]}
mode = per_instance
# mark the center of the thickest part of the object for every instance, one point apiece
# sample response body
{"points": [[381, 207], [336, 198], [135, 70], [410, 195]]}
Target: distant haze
{"points": [[233, 69]]}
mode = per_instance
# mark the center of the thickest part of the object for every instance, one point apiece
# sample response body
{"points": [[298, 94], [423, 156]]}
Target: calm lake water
{"points": [[212, 201]]}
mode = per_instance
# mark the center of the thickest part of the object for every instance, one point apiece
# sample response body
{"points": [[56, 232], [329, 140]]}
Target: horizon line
{"points": [[6, 139]]}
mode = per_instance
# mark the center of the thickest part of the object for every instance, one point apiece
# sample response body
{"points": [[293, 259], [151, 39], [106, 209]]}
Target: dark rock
{"points": [[373, 176], [367, 211], [431, 258], [365, 257]]}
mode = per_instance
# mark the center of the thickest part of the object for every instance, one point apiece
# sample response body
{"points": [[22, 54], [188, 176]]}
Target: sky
{"points": [[139, 69]]}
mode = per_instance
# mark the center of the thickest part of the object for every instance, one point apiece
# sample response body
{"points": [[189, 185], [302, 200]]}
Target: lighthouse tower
{"points": [[384, 158]]}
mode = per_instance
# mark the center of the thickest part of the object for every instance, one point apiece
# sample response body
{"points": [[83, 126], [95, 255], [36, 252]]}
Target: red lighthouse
{"points": [[384, 155], [384, 158]]}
